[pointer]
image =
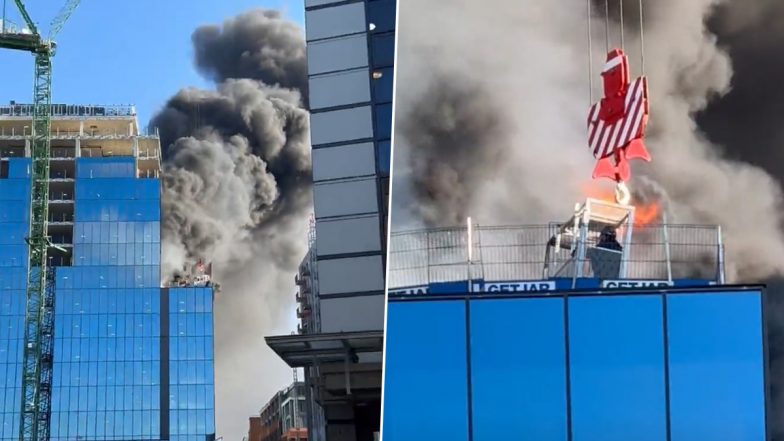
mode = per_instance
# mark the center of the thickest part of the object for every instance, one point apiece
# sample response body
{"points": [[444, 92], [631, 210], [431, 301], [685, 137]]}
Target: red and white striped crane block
{"points": [[616, 124]]}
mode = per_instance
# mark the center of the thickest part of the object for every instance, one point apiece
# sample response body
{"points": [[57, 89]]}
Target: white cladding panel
{"points": [[337, 54], [345, 161], [345, 198], [354, 235], [336, 21], [352, 274], [348, 314], [339, 89], [341, 125]]}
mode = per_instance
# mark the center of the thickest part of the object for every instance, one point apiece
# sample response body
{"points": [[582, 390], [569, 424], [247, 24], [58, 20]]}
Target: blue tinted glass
{"points": [[616, 350], [383, 47], [426, 351], [518, 369], [19, 168], [382, 15], [384, 152], [382, 87], [716, 366], [383, 121]]}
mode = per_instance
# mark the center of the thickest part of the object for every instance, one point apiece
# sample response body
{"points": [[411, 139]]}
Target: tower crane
{"points": [[39, 309]]}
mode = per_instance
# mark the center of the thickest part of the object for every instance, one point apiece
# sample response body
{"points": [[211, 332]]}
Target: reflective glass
{"points": [[190, 366], [616, 346], [382, 86], [383, 50], [518, 369], [382, 14], [716, 366], [14, 196], [383, 121], [384, 153], [426, 351]]}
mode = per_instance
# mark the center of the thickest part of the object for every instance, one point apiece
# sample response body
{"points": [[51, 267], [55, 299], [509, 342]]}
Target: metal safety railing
{"points": [[669, 251], [70, 110]]}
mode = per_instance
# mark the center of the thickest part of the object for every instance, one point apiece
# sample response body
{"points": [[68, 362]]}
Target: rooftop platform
{"points": [[83, 131], [573, 253]]}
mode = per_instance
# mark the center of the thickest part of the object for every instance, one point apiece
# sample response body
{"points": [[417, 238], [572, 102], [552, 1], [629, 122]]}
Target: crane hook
{"points": [[622, 194]]}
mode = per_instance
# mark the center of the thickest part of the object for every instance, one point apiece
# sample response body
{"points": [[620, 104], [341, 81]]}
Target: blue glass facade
{"points": [[685, 365], [132, 361]]}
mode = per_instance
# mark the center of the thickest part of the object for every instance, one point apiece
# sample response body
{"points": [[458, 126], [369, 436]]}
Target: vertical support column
{"points": [[78, 147], [164, 372], [27, 147], [666, 238], [721, 255], [470, 254], [627, 244], [136, 156], [81, 128]]}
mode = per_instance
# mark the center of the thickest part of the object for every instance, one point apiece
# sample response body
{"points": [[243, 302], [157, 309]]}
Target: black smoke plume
{"points": [[236, 192], [258, 45], [453, 120]]}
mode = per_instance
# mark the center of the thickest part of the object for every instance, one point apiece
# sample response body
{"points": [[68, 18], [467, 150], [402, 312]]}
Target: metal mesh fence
{"points": [[519, 253]]}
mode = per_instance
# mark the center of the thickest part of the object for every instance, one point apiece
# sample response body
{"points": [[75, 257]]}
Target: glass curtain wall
{"points": [[14, 218], [107, 324]]}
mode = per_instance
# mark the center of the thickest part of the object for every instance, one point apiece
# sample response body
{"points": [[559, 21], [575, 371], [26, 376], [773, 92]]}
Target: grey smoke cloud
{"points": [[455, 119], [257, 44], [236, 191], [530, 64]]}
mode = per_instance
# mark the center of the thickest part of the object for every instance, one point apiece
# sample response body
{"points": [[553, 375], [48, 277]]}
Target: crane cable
{"points": [[642, 41], [590, 57], [620, 7]]}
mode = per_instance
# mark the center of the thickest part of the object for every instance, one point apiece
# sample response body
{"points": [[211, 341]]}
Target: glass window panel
{"points": [[616, 345], [716, 366], [529, 354], [383, 50], [382, 86], [382, 15], [384, 153], [383, 121], [430, 356]]}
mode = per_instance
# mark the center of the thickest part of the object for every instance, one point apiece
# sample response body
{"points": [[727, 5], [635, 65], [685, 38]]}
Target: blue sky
{"points": [[113, 52]]}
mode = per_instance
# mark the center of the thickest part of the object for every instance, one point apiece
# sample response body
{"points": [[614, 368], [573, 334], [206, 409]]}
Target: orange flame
{"points": [[644, 214]]}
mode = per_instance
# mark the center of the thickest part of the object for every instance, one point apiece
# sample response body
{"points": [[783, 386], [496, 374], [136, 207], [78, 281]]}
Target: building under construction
{"points": [[131, 360]]}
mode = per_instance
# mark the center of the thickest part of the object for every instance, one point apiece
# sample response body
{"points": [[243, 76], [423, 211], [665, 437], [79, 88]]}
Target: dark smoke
{"points": [[257, 44], [453, 119], [748, 122], [236, 192]]}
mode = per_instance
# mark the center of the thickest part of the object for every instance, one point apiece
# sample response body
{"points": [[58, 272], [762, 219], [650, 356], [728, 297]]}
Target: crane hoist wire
{"points": [[607, 39]]}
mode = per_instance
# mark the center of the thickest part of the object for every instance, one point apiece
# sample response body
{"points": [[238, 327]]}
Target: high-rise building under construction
{"points": [[132, 360]]}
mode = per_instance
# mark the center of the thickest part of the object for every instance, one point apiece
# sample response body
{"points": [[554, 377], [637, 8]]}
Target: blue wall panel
{"points": [[616, 347], [690, 368], [428, 360], [518, 370], [19, 168], [716, 367]]}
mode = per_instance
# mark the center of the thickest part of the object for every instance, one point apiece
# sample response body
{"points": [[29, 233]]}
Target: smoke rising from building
{"points": [[529, 65], [236, 192]]}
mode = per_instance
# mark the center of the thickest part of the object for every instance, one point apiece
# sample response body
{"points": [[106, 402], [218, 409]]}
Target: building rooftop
{"points": [[573, 250]]}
